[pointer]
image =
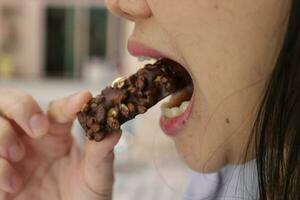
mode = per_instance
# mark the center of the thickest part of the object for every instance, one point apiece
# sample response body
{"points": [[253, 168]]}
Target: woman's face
{"points": [[229, 48]]}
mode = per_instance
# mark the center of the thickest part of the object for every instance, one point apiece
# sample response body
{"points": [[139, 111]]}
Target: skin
{"points": [[229, 48], [39, 155]]}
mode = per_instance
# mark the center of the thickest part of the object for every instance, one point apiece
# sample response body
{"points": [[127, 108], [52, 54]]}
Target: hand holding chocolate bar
{"points": [[127, 98]]}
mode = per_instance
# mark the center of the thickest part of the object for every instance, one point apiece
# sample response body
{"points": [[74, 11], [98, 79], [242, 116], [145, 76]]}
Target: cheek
{"points": [[201, 142], [210, 37], [215, 136], [179, 15]]}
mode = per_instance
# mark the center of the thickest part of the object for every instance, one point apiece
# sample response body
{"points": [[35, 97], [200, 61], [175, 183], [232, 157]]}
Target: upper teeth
{"points": [[144, 58], [174, 111]]}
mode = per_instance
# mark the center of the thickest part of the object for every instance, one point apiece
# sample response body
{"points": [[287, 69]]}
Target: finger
{"points": [[24, 110], [62, 113], [98, 163], [10, 180], [11, 147]]}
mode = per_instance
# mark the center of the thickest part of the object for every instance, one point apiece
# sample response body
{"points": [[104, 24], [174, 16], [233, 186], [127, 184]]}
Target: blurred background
{"points": [[53, 48]]}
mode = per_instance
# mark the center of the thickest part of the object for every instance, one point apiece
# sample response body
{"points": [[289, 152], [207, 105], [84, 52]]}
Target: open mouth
{"points": [[178, 108], [179, 101]]}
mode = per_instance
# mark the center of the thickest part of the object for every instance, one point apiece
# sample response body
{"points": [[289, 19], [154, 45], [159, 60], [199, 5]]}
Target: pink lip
{"points": [[172, 126], [138, 49]]}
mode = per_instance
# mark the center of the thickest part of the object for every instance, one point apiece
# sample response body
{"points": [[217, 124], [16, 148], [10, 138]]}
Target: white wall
{"points": [[30, 54]]}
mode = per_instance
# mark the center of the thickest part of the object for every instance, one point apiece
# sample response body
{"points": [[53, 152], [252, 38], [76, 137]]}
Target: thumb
{"points": [[98, 164], [62, 112]]}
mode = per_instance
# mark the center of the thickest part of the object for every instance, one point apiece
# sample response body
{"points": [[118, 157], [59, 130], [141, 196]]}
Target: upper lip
{"points": [[138, 49]]}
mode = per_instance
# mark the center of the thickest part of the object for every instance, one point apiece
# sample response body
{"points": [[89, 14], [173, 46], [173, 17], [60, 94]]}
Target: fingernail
{"points": [[39, 125], [14, 182], [15, 153]]}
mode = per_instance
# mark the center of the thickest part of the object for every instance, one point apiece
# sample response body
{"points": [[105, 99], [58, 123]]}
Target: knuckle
{"points": [[6, 131], [12, 92], [19, 104], [5, 127], [12, 109], [4, 167], [7, 135], [25, 98]]}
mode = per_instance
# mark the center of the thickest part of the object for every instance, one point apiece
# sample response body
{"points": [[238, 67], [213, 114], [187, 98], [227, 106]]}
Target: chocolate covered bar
{"points": [[128, 97]]}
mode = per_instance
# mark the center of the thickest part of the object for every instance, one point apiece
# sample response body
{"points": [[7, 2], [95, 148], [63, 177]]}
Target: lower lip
{"points": [[172, 126]]}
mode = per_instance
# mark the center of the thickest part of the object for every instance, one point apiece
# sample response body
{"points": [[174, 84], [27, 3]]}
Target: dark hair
{"points": [[277, 126]]}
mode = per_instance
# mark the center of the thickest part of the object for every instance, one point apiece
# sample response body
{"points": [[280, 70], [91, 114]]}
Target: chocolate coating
{"points": [[132, 96]]}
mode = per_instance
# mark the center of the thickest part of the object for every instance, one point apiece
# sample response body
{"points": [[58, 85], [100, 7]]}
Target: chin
{"points": [[200, 162]]}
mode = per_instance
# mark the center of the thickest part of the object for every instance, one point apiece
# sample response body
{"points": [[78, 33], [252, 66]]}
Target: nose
{"points": [[130, 9]]}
